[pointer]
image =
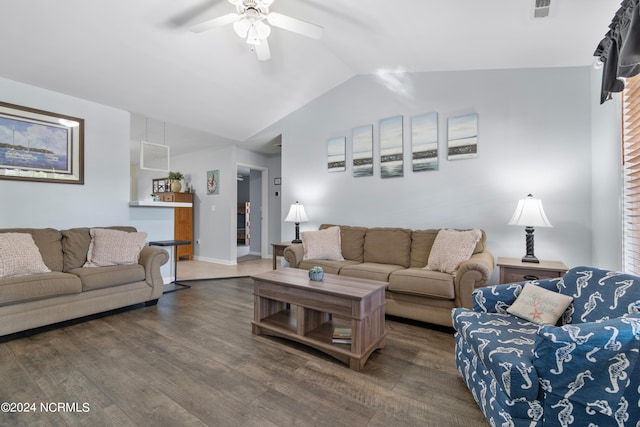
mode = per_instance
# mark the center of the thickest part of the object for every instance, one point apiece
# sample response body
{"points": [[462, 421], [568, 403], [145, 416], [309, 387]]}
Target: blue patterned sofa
{"points": [[582, 372]]}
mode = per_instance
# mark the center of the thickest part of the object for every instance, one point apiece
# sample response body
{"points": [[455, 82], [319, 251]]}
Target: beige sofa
{"points": [[71, 291], [398, 256]]}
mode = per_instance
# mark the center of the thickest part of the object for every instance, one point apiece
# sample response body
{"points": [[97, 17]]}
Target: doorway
{"points": [[251, 212]]}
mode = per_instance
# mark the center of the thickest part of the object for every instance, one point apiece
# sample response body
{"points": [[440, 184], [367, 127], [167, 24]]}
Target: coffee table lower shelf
{"points": [[283, 324]]}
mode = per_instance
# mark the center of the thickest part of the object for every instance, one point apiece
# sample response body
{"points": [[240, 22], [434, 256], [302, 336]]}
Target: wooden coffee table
{"points": [[289, 305]]}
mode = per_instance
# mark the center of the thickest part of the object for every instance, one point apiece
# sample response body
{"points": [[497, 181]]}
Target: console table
{"points": [[175, 244]]}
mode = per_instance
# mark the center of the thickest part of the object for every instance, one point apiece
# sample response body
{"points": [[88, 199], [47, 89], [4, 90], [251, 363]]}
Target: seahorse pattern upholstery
{"points": [[583, 371]]}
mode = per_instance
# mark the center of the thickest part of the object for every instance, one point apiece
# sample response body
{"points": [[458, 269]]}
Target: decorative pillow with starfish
{"points": [[539, 305]]}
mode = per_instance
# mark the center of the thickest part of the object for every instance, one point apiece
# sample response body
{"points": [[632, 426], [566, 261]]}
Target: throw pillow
{"points": [[539, 305], [19, 255], [322, 244], [114, 247], [451, 248]]}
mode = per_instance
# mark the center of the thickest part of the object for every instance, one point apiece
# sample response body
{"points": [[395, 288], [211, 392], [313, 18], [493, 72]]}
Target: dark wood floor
{"points": [[192, 361]]}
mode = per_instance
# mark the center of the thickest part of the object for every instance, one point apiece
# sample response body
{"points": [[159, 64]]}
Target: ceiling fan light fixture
{"points": [[263, 30], [241, 27]]}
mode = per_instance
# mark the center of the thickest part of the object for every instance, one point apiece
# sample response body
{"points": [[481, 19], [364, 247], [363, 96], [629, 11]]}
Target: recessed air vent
{"points": [[541, 8]]}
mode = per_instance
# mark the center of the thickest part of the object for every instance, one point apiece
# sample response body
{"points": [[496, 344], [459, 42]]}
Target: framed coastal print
{"points": [[362, 145], [424, 142], [37, 145], [391, 153], [336, 154], [213, 183], [462, 135]]}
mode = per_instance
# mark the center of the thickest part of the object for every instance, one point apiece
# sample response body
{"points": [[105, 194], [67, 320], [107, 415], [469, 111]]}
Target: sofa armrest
{"points": [[497, 298], [578, 362], [293, 254], [472, 274], [152, 258]]}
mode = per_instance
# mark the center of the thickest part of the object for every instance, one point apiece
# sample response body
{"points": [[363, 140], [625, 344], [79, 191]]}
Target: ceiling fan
{"points": [[249, 24]]}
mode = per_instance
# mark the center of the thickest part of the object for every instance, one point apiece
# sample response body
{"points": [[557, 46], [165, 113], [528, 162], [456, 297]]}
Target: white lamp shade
{"points": [[530, 213], [297, 214]]}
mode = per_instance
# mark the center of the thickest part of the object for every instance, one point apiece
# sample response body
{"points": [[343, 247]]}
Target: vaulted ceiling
{"points": [[141, 57]]}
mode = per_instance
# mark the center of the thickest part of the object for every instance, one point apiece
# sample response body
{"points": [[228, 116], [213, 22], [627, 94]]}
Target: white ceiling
{"points": [[140, 56]]}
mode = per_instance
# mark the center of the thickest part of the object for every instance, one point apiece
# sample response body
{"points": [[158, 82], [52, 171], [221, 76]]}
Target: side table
{"points": [[278, 250], [175, 244], [514, 270]]}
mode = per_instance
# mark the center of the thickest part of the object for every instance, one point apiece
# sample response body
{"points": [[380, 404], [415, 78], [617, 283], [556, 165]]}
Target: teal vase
{"points": [[316, 276]]}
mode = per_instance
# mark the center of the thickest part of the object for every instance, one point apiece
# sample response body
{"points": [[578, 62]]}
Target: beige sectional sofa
{"points": [[70, 290], [398, 256]]}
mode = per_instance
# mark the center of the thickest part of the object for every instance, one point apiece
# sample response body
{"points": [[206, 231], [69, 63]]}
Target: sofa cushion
{"points": [[599, 294], [351, 241], [48, 241], [418, 281], [75, 245], [331, 267], [106, 277], [371, 271], [388, 246], [37, 286], [421, 243], [451, 248], [539, 305], [114, 247], [322, 244], [19, 256]]}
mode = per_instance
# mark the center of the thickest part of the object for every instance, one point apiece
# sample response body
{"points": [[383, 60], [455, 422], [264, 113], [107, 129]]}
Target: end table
{"points": [[514, 270], [278, 250], [175, 244]]}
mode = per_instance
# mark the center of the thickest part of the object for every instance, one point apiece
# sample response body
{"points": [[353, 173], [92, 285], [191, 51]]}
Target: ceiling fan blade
{"points": [[262, 50], [229, 18], [295, 25], [189, 14]]}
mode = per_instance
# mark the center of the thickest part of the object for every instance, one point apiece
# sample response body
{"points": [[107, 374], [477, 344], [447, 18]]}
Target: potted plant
{"points": [[175, 178], [316, 273]]}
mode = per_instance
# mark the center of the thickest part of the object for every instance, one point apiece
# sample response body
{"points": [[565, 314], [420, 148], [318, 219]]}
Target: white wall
{"points": [[535, 130]]}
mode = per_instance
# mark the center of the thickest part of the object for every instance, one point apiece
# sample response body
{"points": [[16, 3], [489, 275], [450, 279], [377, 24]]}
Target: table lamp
{"points": [[530, 213], [297, 215]]}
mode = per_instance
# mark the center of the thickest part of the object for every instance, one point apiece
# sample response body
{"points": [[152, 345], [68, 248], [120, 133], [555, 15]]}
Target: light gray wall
{"points": [[274, 163], [255, 217], [215, 214], [606, 177], [535, 136], [103, 200]]}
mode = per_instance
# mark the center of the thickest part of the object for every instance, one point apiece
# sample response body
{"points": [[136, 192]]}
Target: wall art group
{"points": [[462, 143]]}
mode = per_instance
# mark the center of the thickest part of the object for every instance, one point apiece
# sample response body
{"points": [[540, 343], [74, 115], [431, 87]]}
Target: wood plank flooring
{"points": [[192, 361]]}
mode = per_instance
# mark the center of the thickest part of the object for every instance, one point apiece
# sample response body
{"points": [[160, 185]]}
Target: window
{"points": [[631, 168]]}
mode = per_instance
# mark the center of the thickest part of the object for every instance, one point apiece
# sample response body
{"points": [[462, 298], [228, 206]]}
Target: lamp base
{"points": [[297, 239], [529, 257]]}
